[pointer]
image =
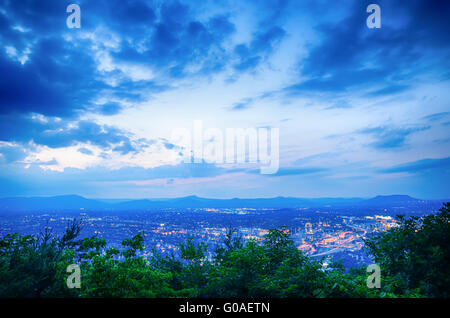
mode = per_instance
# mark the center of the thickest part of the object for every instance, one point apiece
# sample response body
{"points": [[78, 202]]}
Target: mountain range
{"points": [[75, 202]]}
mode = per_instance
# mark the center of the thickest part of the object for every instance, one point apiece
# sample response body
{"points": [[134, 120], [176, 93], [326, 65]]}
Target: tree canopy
{"points": [[413, 257]]}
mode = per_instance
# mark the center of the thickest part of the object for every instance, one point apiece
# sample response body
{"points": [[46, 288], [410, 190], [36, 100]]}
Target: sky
{"points": [[92, 110]]}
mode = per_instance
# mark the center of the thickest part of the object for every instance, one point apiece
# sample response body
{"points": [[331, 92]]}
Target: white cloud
{"points": [[21, 57]]}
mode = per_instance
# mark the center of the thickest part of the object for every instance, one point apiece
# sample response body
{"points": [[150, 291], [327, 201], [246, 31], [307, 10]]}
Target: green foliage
{"points": [[414, 260], [34, 266], [133, 245], [417, 253], [192, 252], [107, 277]]}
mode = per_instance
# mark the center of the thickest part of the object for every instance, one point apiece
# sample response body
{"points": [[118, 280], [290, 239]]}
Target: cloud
{"points": [[388, 90], [437, 116], [283, 172], [124, 52], [41, 86], [71, 97], [55, 132], [125, 147], [110, 109], [178, 45], [104, 174], [315, 157], [86, 151], [389, 137], [252, 54], [244, 104], [10, 153], [102, 181], [423, 165], [341, 104], [349, 55], [120, 42]]}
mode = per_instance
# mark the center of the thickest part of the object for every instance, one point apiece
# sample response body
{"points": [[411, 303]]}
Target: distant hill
{"points": [[75, 202], [391, 201]]}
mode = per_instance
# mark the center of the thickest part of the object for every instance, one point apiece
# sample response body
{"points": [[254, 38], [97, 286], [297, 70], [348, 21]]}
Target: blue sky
{"points": [[90, 111]]}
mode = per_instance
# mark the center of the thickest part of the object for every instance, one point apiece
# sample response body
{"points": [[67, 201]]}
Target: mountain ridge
{"points": [[76, 202]]}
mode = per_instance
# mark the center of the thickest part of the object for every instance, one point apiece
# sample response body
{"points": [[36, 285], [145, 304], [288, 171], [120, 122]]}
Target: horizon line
{"points": [[232, 198]]}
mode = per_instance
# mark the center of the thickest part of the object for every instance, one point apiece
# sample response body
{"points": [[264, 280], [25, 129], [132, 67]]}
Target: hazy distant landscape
{"points": [[325, 227], [74, 202]]}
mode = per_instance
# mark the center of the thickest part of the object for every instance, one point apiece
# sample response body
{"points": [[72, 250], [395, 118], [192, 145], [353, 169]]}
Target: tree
{"points": [[417, 253], [115, 273], [33, 266]]}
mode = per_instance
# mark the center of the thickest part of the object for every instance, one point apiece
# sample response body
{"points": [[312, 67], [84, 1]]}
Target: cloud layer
{"points": [[361, 111]]}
